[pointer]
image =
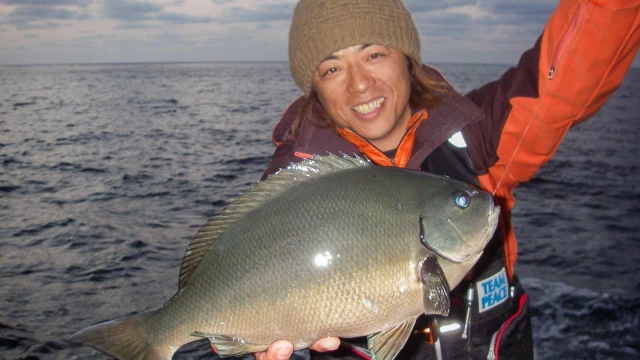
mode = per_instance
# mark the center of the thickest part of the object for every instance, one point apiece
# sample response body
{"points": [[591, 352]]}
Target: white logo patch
{"points": [[457, 140], [492, 291]]}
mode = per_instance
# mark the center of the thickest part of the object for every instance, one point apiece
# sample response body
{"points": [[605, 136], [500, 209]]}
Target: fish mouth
{"points": [[479, 242], [368, 107], [493, 223]]}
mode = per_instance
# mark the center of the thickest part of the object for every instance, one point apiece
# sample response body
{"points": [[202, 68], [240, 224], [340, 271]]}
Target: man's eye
{"points": [[377, 56], [330, 71]]}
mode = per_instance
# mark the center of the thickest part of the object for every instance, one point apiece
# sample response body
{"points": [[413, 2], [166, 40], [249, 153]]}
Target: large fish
{"points": [[328, 247]]}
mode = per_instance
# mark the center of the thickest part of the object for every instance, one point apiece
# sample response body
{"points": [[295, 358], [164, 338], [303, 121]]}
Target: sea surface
{"points": [[106, 171]]}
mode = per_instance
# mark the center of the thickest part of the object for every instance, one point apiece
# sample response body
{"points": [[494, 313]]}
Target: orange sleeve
{"points": [[585, 51]]}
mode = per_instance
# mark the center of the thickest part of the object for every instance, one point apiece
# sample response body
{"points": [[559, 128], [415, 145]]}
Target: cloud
{"points": [[180, 19], [445, 24], [39, 17], [519, 7], [30, 13], [418, 6], [520, 14], [43, 2], [137, 14], [44, 14], [131, 10], [222, 2], [449, 18], [517, 12], [264, 13], [36, 25], [502, 20]]}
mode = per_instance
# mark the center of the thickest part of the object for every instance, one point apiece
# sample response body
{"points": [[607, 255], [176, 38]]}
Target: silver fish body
{"points": [[329, 247]]}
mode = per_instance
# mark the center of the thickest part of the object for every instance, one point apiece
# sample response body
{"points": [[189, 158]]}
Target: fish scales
{"points": [[279, 236], [337, 254]]}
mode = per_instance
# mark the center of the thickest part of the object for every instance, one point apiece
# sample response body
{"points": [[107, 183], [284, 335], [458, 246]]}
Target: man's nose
{"points": [[360, 80]]}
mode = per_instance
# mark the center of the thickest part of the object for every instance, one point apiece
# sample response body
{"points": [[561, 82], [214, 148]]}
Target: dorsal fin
{"points": [[254, 197]]}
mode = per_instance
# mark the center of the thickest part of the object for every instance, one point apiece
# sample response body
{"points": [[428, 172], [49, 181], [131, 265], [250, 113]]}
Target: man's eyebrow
{"points": [[333, 57], [330, 57]]}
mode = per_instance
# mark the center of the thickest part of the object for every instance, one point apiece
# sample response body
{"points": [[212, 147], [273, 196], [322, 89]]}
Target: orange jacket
{"points": [[514, 125], [584, 53]]}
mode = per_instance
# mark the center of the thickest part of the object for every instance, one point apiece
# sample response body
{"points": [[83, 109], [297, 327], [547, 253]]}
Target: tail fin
{"points": [[124, 339]]}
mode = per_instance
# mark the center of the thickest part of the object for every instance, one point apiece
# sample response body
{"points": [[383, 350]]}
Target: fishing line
{"points": [[508, 165]]}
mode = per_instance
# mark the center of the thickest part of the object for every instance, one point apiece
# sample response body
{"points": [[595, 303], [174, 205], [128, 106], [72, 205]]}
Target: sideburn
{"points": [[312, 112], [426, 92]]}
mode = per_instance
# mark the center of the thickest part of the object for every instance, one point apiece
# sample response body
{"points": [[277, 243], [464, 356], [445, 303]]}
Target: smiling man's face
{"points": [[366, 88]]}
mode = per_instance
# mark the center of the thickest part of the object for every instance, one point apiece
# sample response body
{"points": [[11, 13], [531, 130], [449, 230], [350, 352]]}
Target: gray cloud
{"points": [[263, 26], [418, 6], [44, 14], [36, 25], [131, 25], [40, 17], [29, 13], [519, 7], [517, 12], [179, 19], [271, 12], [132, 12], [43, 2], [498, 12], [447, 24], [222, 2], [501, 19], [514, 20], [451, 18]]}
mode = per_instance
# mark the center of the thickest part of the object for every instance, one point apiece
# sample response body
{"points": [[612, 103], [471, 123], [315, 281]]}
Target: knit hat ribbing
{"points": [[321, 27]]}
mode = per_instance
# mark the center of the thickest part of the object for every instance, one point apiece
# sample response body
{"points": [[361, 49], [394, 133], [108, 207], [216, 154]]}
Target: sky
{"points": [[107, 31]]}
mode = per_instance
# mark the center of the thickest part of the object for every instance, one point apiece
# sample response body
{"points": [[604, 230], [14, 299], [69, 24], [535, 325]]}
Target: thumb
{"points": [[279, 350]]}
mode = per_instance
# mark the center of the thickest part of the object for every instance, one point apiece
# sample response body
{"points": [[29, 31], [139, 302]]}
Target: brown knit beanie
{"points": [[321, 27]]}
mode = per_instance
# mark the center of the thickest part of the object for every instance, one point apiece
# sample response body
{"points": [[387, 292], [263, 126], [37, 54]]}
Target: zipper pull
{"points": [[551, 72], [470, 296]]}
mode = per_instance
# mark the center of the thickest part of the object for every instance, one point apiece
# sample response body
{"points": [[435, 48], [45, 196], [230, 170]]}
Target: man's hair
{"points": [[426, 93]]}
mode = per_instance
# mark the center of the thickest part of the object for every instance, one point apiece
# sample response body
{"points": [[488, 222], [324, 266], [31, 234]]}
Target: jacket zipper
{"points": [[497, 336], [566, 39], [491, 355]]}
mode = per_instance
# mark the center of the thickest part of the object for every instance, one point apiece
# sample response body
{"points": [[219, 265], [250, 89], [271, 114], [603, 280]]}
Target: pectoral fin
{"points": [[228, 346], [435, 288], [387, 344]]}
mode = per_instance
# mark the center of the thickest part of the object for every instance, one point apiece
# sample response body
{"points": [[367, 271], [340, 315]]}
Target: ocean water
{"points": [[106, 171]]}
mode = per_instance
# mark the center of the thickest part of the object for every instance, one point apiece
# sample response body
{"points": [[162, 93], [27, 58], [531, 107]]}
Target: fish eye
{"points": [[462, 199]]}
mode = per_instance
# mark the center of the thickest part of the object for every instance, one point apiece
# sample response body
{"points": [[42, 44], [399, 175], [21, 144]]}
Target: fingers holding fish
{"points": [[282, 349], [279, 350]]}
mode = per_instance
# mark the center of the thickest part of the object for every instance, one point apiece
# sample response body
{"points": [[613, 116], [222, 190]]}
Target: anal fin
{"points": [[387, 344]]}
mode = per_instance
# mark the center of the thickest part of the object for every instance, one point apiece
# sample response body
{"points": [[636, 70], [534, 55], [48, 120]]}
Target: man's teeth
{"points": [[367, 108]]}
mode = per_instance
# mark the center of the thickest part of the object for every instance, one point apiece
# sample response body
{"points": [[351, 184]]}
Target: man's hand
{"points": [[282, 349]]}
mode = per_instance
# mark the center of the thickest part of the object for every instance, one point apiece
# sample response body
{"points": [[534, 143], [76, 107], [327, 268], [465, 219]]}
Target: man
{"points": [[366, 93]]}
